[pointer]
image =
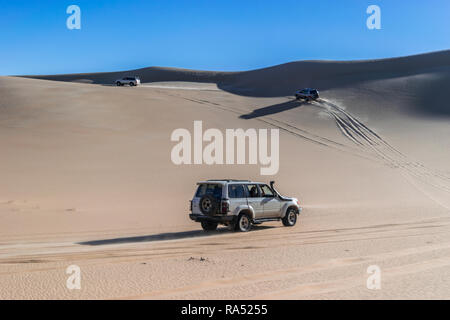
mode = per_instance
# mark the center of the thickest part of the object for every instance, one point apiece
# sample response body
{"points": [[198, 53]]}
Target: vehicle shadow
{"points": [[273, 109], [167, 236]]}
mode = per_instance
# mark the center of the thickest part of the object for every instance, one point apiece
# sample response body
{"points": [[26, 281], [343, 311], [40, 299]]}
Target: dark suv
{"points": [[307, 94]]}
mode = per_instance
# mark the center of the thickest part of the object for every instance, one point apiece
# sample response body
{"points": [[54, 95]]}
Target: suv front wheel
{"points": [[243, 223], [290, 218]]}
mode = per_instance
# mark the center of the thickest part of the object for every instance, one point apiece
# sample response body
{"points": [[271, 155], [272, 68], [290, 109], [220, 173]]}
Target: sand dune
{"points": [[414, 76], [86, 178]]}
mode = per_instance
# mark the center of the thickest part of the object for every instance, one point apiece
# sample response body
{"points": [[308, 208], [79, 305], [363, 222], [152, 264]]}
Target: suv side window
{"points": [[253, 191], [266, 191], [236, 191]]}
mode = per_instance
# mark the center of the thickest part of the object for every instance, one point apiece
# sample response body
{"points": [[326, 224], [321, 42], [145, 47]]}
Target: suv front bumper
{"points": [[218, 219]]}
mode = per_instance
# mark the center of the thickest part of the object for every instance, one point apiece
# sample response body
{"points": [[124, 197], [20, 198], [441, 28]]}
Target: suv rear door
{"points": [[271, 204], [237, 196], [254, 199], [213, 189]]}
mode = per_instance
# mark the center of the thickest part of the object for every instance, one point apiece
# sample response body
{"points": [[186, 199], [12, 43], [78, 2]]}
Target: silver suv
{"points": [[307, 94], [241, 203], [132, 81]]}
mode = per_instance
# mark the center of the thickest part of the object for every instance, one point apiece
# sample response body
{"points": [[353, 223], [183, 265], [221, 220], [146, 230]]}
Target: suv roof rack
{"points": [[229, 180]]}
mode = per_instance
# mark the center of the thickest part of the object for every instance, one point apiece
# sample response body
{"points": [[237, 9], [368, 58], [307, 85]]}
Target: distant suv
{"points": [[241, 203], [307, 94], [132, 81]]}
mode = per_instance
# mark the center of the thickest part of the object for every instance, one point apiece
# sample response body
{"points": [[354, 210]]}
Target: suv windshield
{"points": [[266, 191], [213, 189]]}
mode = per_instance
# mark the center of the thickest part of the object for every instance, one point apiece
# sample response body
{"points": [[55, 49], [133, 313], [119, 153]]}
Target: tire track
{"points": [[390, 274], [319, 266], [368, 144], [286, 127], [374, 144]]}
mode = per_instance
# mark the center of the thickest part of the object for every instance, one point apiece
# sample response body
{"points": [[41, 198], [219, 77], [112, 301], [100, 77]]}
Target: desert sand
{"points": [[86, 178]]}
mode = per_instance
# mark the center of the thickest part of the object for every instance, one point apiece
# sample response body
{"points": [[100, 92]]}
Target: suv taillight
{"points": [[224, 207]]}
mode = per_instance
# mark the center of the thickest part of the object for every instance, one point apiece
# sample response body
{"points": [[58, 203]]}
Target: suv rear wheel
{"points": [[209, 226], [243, 223], [290, 218]]}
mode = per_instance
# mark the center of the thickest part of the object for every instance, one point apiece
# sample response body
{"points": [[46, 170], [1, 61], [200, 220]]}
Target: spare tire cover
{"points": [[208, 205]]}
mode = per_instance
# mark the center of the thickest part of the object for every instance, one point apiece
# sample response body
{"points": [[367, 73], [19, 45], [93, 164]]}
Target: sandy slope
{"points": [[86, 179]]}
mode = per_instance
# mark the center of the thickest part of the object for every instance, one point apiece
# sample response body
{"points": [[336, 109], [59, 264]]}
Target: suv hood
{"points": [[286, 198]]}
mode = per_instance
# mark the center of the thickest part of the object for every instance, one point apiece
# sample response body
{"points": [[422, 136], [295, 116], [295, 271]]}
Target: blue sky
{"points": [[211, 34]]}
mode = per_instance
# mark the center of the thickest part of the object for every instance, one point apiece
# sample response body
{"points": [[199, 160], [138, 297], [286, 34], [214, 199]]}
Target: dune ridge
{"points": [[316, 72], [403, 74]]}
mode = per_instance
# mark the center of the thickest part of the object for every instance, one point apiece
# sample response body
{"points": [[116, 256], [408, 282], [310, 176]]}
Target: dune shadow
{"points": [[164, 236], [273, 109], [432, 100]]}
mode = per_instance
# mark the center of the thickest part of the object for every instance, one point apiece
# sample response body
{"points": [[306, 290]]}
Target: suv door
{"points": [[271, 204], [213, 189], [254, 199], [237, 196]]}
